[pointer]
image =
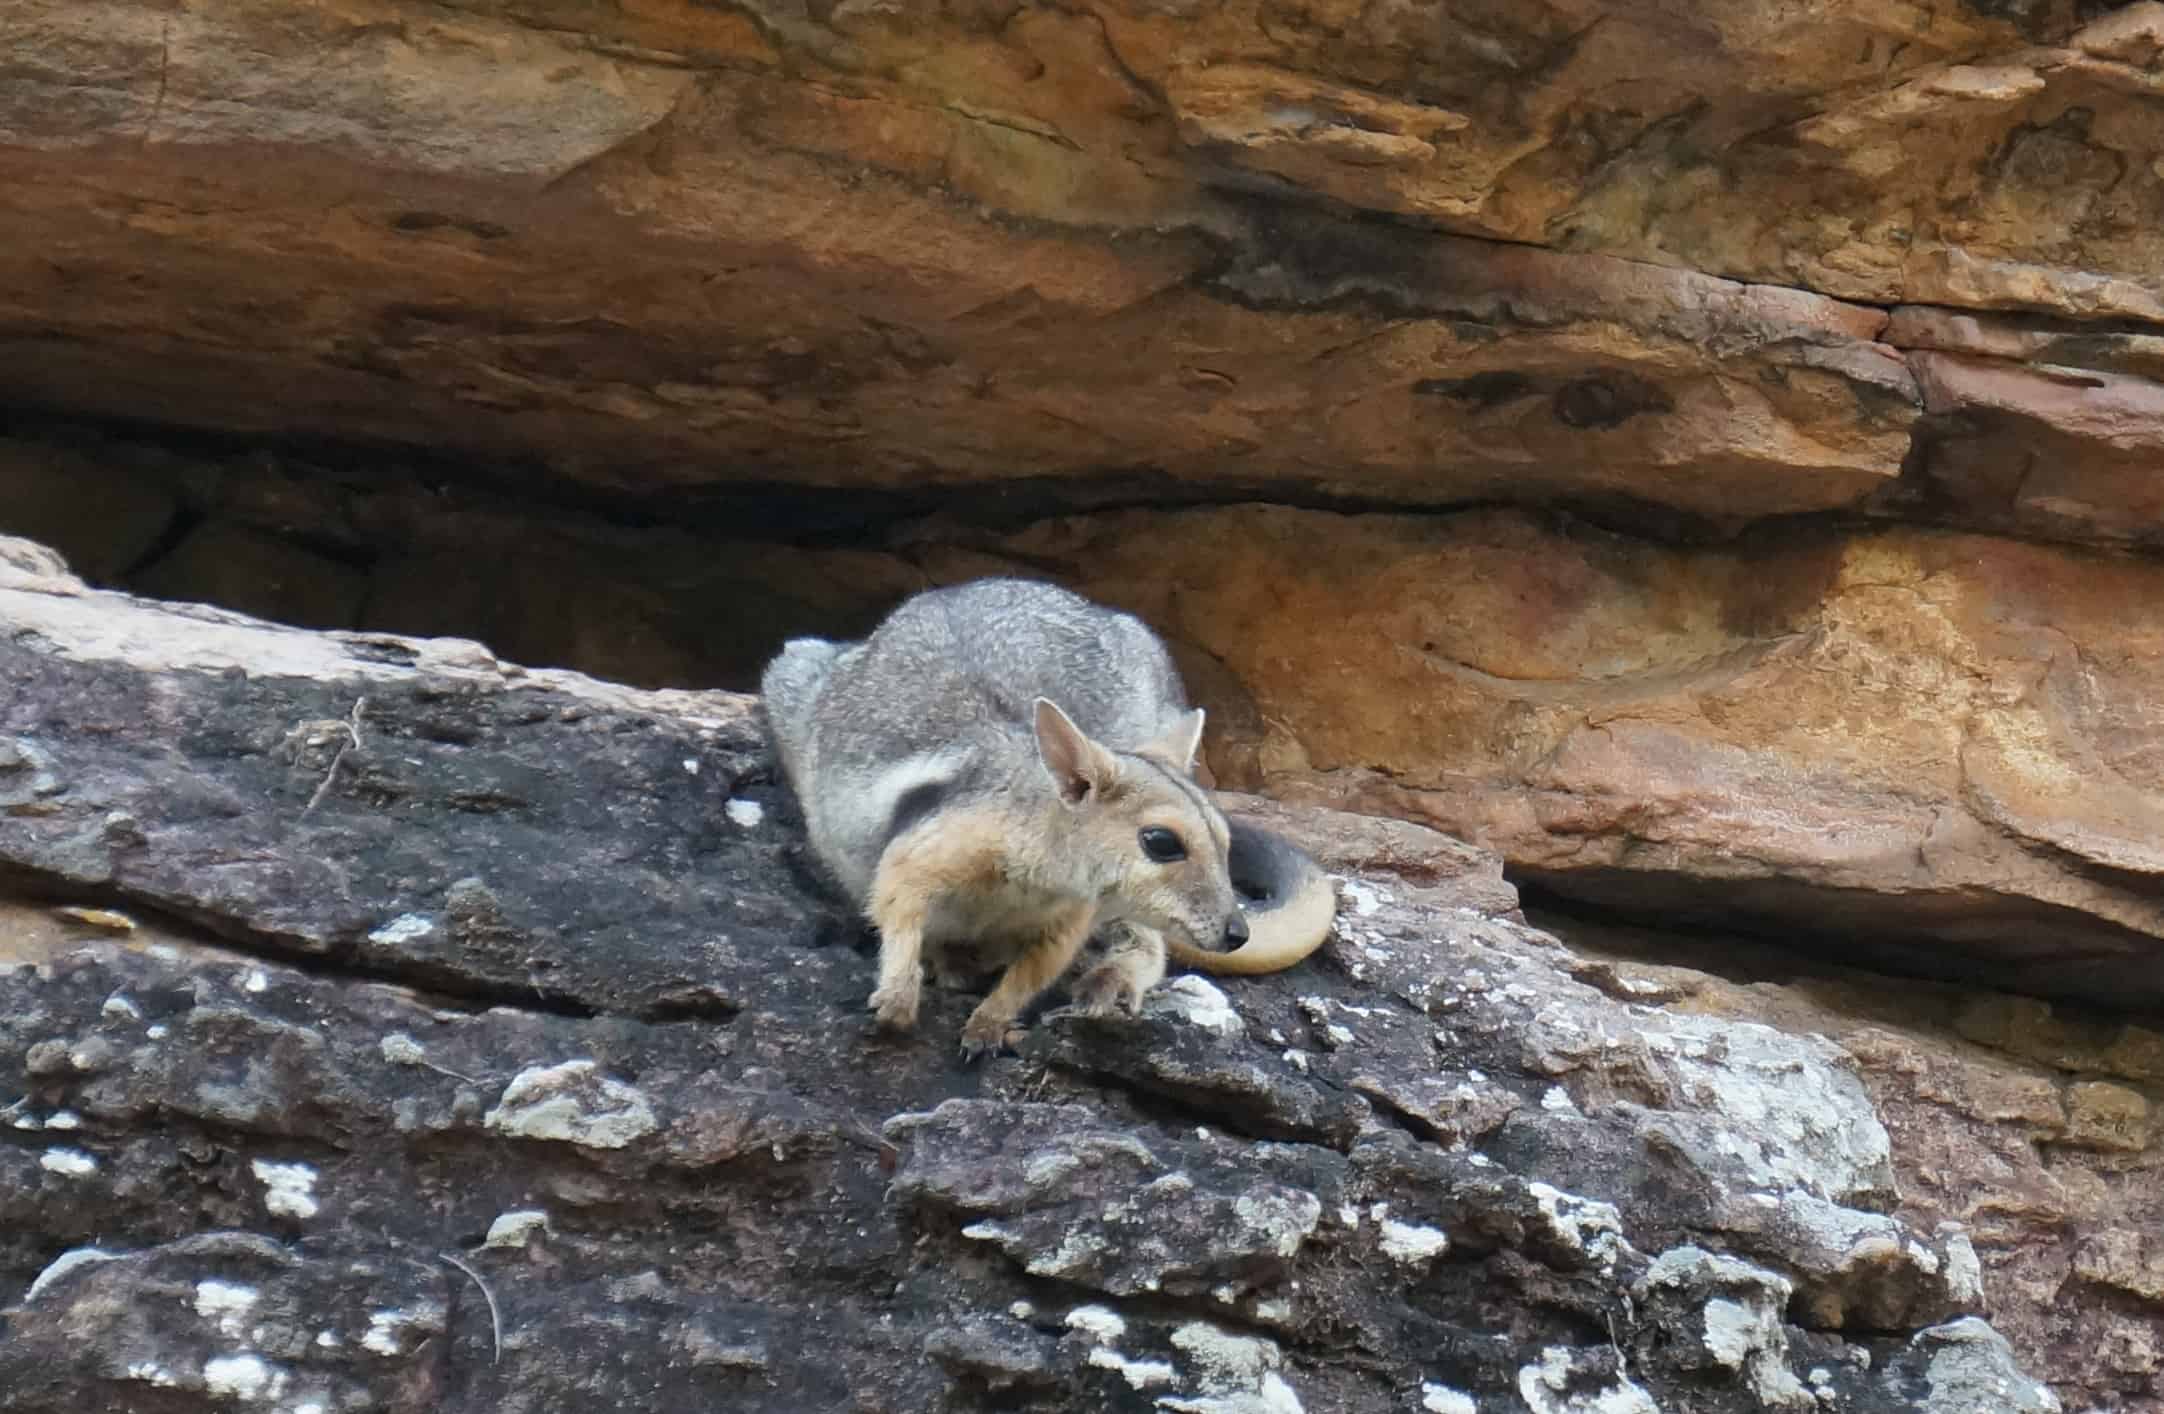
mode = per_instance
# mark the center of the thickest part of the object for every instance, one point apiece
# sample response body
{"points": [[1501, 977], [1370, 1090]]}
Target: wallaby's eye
{"points": [[1161, 845]]}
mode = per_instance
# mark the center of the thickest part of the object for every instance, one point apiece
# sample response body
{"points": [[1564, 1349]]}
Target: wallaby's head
{"points": [[1147, 834]]}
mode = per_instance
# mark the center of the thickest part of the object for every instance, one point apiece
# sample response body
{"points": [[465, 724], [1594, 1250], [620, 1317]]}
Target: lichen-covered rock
{"points": [[500, 1064], [223, 1320], [1065, 1197]]}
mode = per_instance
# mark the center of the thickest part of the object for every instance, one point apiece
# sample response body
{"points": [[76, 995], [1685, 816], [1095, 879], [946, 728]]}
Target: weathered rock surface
{"points": [[1641, 255], [1932, 750], [504, 1060], [2026, 1124], [637, 337]]}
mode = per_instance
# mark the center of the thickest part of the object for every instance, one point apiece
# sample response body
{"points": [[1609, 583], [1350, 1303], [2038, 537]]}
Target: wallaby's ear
{"points": [[1176, 748], [1077, 764]]}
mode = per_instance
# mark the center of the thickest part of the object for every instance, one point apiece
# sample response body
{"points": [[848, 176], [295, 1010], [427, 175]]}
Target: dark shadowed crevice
{"points": [[1744, 930], [218, 936]]}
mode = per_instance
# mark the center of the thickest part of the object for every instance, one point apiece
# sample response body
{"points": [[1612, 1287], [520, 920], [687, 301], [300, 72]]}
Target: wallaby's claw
{"points": [[984, 1038], [1106, 991]]}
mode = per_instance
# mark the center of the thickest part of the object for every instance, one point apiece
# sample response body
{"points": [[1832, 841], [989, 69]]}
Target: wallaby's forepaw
{"points": [[896, 1005], [984, 1036], [1106, 990]]}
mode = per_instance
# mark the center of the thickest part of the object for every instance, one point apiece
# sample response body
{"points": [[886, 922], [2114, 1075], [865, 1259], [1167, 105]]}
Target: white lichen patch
{"points": [[119, 1004], [1412, 1243], [1557, 1100], [1048, 1170], [70, 1163], [744, 813], [1743, 1327], [150, 1372], [1272, 1396], [400, 1049], [1365, 899], [243, 1377], [1787, 1112], [1547, 1388], [1076, 1251], [1100, 1323], [1280, 1218], [1588, 1225], [1442, 1399], [1731, 1332], [1964, 1274], [289, 1190], [572, 1103], [61, 1265], [383, 1331], [1139, 1374], [225, 1305], [1196, 1001], [1237, 1374], [403, 929], [513, 1228], [1170, 1185], [1221, 1356]]}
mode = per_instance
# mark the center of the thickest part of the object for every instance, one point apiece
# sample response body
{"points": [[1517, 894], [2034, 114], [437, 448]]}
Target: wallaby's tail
{"points": [[1287, 899]]}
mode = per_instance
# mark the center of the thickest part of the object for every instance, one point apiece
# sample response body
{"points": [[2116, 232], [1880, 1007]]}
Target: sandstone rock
{"points": [[526, 256], [2042, 448], [1633, 261], [2108, 1116], [1935, 747], [527, 1088]]}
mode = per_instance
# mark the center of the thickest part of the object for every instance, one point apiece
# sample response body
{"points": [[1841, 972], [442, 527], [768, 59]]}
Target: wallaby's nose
{"points": [[1236, 930]]}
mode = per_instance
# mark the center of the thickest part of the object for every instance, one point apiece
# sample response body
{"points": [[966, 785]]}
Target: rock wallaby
{"points": [[1001, 774]]}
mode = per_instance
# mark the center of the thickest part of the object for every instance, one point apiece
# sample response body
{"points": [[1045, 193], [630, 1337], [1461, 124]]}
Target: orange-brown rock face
{"points": [[1395, 254], [1946, 743]]}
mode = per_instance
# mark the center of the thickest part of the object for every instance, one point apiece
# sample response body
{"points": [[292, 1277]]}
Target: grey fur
{"points": [[939, 696], [934, 717]]}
